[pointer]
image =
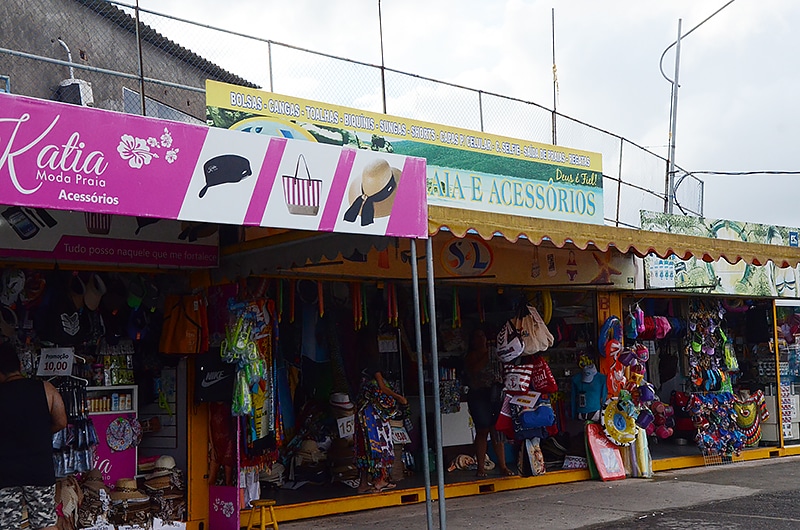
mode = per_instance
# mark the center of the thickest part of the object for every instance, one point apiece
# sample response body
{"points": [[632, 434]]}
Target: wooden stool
{"points": [[263, 506]]}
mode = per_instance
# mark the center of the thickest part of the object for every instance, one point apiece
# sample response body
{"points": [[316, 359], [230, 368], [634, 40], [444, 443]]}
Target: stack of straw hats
{"points": [[96, 499], [129, 505], [167, 490]]}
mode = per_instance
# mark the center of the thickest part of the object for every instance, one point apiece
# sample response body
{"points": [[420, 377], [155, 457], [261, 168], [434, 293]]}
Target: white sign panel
{"points": [[56, 361]]}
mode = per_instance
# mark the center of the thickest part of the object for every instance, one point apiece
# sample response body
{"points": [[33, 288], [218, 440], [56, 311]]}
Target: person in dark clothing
{"points": [[484, 399], [30, 412]]}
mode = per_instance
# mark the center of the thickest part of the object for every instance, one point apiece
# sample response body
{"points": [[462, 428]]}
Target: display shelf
{"points": [[101, 399], [113, 464]]}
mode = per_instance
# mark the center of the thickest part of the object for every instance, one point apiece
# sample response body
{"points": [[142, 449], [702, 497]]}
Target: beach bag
{"points": [[213, 378], [301, 195], [509, 343], [185, 330], [535, 335]]}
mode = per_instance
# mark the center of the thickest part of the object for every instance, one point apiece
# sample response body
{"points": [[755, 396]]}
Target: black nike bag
{"points": [[214, 378]]}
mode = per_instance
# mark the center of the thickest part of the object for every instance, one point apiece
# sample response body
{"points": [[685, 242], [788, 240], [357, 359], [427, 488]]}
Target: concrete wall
{"points": [[95, 40]]}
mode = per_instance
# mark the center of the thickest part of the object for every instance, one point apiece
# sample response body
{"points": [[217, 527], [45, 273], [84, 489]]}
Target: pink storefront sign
{"points": [[64, 157], [114, 465], [223, 507]]}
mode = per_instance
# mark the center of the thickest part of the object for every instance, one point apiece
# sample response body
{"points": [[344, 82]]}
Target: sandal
{"points": [[507, 473]]}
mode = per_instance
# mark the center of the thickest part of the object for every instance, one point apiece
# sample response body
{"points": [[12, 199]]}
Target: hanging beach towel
{"points": [[301, 195]]}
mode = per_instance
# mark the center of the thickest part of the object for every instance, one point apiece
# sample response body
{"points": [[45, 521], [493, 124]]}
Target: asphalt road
{"points": [[749, 495]]}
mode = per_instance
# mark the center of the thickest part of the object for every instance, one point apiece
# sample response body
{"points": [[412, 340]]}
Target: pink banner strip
{"points": [[266, 180], [406, 212], [338, 190], [79, 249]]}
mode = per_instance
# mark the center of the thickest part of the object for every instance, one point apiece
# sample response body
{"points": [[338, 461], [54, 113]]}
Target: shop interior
{"points": [[285, 359], [712, 363], [96, 336], [331, 330]]}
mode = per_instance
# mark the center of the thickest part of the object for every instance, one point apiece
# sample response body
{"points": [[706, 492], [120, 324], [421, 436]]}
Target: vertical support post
{"points": [[141, 61], [673, 126], [426, 465], [437, 409], [555, 75], [269, 56], [480, 107], [383, 66], [619, 183]]}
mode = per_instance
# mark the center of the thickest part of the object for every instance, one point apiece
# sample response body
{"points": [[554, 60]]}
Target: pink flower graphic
{"points": [[135, 151]]}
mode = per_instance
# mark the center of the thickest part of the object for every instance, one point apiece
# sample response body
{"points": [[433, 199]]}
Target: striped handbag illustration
{"points": [[301, 194]]}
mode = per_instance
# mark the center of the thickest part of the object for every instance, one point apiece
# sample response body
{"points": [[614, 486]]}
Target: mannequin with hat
{"points": [[377, 403], [589, 391]]}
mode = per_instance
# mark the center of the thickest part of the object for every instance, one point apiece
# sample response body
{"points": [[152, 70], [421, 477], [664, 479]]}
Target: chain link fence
{"points": [[159, 65]]}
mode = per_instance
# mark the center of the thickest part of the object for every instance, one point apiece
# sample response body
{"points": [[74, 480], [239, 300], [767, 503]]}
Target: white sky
{"points": [[739, 72]]}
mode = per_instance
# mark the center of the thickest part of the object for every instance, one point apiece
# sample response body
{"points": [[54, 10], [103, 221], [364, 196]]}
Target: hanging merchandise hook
{"points": [[456, 309], [292, 294], [320, 299], [364, 307], [479, 303], [280, 299], [395, 307]]}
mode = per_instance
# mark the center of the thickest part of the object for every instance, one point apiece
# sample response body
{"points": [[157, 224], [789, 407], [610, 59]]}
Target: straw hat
{"points": [[158, 483], [93, 480], [94, 290], [8, 321], [164, 466], [125, 490], [341, 400], [76, 291], [373, 194]]}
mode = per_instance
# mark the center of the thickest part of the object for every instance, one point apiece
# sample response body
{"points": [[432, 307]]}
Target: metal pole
{"points": [[480, 107], [673, 126], [383, 66], [619, 184], [555, 78], [141, 60], [269, 54], [426, 465], [437, 409], [670, 180]]}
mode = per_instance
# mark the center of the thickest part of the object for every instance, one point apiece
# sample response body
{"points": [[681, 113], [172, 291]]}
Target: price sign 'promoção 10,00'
{"points": [[55, 361]]}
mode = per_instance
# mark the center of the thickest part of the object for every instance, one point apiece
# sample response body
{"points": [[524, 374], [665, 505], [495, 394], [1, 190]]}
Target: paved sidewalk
{"points": [[581, 504]]}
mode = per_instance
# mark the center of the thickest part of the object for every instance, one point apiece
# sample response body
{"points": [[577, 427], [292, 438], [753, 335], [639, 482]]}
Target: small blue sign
{"points": [[794, 240]]}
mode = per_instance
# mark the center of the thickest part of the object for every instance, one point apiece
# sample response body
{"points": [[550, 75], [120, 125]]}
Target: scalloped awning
{"points": [[600, 237]]}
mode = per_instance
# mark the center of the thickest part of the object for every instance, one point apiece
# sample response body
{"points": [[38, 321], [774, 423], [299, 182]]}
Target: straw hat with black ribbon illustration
{"points": [[373, 194]]}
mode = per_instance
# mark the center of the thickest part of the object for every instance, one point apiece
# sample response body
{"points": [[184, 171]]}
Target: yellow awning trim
{"points": [[601, 237]]}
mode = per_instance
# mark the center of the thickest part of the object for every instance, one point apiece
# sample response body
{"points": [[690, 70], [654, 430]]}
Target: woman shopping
{"points": [[485, 398]]}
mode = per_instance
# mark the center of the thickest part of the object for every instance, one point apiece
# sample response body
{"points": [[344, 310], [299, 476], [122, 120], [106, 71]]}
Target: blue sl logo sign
{"points": [[467, 257]]}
